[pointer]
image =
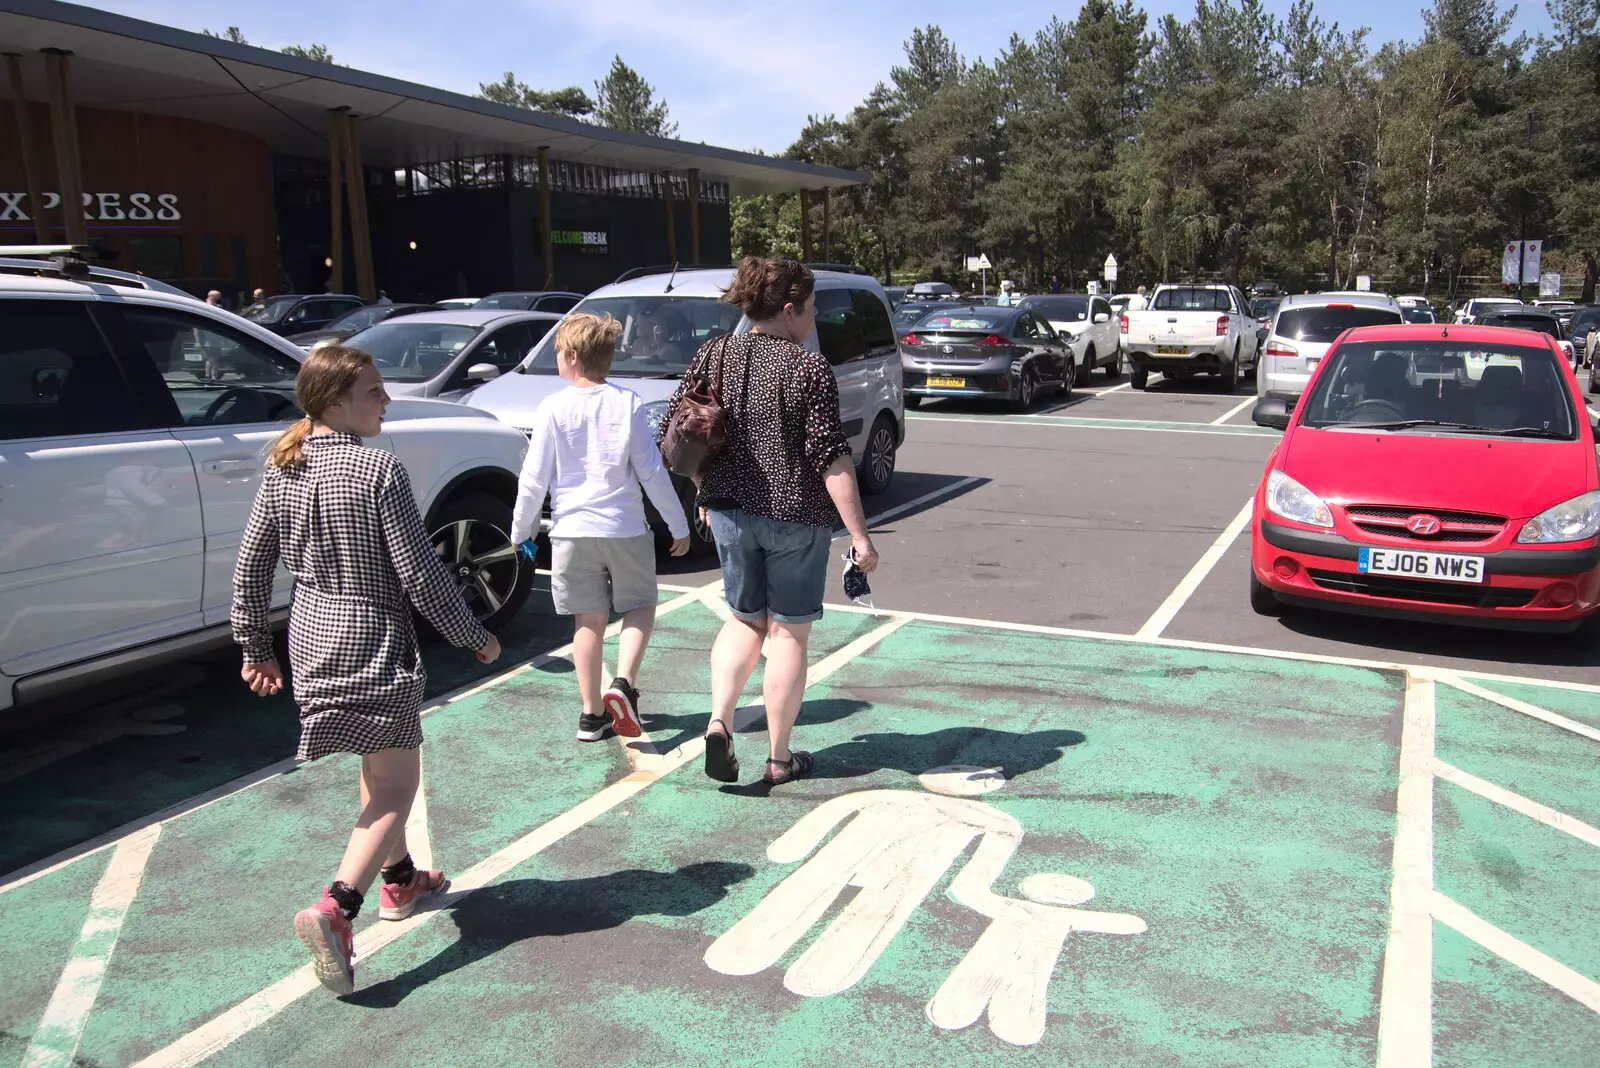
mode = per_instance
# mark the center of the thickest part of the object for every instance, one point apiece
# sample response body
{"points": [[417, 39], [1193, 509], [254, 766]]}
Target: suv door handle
{"points": [[223, 467]]}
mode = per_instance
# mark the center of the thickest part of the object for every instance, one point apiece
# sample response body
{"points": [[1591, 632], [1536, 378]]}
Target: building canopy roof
{"points": [[128, 64]]}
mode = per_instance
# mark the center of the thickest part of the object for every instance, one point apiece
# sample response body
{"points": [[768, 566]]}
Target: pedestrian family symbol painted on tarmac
{"points": [[895, 847]]}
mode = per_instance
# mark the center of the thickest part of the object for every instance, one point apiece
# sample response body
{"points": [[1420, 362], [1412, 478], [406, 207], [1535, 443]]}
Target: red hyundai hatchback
{"points": [[1440, 472]]}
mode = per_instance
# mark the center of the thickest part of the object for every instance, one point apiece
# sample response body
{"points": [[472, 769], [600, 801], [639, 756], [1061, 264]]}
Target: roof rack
{"points": [[70, 261]]}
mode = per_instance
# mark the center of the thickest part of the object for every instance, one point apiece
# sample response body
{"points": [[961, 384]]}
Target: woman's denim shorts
{"points": [[771, 568]]}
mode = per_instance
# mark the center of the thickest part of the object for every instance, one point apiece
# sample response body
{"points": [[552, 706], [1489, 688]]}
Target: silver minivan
{"points": [[1306, 326], [667, 316]]}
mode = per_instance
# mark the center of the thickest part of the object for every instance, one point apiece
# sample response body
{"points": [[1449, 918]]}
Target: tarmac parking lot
{"points": [[1074, 799]]}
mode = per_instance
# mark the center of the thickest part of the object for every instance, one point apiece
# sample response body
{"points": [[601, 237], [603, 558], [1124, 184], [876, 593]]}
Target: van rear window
{"points": [[1322, 325]]}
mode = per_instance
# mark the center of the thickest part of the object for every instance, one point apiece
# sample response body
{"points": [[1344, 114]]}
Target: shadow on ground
{"points": [[1014, 753], [1390, 638], [502, 915]]}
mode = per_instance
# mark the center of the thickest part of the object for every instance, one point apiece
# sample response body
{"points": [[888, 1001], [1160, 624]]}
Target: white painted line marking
{"points": [[1579, 988], [1405, 1008], [1517, 803], [221, 1031], [55, 1041], [417, 837], [1137, 426], [1526, 709], [1231, 412], [101, 842], [1441, 674], [1175, 601], [889, 513]]}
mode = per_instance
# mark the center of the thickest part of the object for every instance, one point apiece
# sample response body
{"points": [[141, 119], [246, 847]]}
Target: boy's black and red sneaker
{"points": [[621, 702]]}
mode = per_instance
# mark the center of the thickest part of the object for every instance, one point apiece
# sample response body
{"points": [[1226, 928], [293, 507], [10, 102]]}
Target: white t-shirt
{"points": [[591, 447], [1138, 303]]}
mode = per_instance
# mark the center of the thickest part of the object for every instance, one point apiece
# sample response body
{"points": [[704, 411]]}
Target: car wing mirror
{"points": [[1273, 410], [1102, 317], [482, 372]]}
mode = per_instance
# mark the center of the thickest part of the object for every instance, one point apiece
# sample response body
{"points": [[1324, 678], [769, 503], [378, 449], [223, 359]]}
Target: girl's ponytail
{"points": [[288, 450], [325, 376]]}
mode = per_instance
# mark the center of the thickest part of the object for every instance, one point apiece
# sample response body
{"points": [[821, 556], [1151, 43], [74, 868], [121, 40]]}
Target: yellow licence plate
{"points": [[948, 383], [1172, 350]]}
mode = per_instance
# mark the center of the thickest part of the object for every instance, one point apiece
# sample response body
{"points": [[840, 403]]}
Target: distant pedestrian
{"points": [[383, 298], [1006, 297], [590, 448], [1055, 284], [214, 298], [342, 518], [1138, 302], [772, 497], [258, 296]]}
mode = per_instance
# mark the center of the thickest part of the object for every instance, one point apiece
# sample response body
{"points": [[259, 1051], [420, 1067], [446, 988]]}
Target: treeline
{"points": [[1232, 145]]}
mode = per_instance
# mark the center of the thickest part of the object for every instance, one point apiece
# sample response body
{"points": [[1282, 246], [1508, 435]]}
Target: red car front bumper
{"points": [[1552, 589]]}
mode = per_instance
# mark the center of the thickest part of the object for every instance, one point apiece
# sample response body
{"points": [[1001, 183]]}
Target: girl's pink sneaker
{"points": [[327, 934], [397, 901]]}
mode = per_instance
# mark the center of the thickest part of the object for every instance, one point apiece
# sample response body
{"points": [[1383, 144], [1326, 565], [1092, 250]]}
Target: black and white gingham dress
{"points": [[346, 526]]}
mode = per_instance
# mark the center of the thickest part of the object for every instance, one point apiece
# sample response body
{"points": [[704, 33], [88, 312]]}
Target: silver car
{"points": [[1305, 327], [446, 354]]}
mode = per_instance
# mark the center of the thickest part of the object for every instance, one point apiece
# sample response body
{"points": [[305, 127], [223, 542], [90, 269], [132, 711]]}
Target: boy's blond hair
{"points": [[591, 341]]}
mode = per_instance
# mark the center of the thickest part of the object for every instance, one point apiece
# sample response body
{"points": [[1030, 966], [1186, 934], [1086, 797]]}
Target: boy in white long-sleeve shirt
{"points": [[591, 447]]}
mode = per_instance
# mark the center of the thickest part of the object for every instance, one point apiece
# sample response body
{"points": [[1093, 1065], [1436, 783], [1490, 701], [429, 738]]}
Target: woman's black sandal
{"points": [[798, 766], [721, 764]]}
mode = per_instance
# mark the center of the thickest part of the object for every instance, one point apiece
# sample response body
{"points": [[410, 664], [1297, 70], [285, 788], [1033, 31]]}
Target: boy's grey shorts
{"points": [[602, 574]]}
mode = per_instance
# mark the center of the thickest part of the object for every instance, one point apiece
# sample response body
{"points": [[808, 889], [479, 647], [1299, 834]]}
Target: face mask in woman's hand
{"points": [[855, 581]]}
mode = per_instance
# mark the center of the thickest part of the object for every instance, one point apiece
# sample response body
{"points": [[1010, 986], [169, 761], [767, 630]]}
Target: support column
{"points": [[672, 223], [827, 225], [360, 228], [25, 146], [546, 242], [805, 226], [694, 215], [64, 124], [336, 197]]}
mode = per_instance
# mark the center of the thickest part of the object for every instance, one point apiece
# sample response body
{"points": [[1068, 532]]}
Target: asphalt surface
{"points": [[604, 893]]}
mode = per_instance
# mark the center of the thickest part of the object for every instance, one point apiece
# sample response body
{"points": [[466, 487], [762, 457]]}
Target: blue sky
{"points": [[733, 75]]}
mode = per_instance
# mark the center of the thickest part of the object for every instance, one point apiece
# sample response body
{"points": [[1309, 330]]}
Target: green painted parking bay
{"points": [[1016, 845]]}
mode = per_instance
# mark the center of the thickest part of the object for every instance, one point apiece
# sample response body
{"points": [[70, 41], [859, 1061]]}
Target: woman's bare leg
{"points": [[783, 682], [734, 656]]}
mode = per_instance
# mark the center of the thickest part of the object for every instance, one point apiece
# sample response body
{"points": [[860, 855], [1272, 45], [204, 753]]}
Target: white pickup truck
{"points": [[1190, 329]]}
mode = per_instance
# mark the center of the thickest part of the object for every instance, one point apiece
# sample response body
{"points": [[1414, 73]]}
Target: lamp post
{"points": [[1522, 244]]}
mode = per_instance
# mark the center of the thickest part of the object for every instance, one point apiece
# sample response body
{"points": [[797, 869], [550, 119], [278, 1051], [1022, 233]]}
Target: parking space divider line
{"points": [[1235, 410], [234, 1023], [1405, 1000], [1175, 601], [1552, 718], [1517, 803], [55, 1040], [1144, 426], [1463, 921], [109, 839]]}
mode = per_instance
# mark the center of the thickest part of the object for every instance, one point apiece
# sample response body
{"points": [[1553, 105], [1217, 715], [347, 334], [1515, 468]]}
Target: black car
{"points": [[353, 322], [298, 313], [548, 300], [1582, 323], [1006, 354], [1539, 322], [1262, 309]]}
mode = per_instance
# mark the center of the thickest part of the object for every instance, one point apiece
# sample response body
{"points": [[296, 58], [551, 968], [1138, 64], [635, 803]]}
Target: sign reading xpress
{"points": [[593, 241], [102, 207]]}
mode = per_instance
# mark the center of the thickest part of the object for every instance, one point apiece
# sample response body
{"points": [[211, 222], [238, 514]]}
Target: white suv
{"points": [[133, 428], [666, 316]]}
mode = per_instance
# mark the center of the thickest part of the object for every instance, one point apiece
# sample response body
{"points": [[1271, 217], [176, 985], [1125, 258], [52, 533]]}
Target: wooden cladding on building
{"points": [[178, 199]]}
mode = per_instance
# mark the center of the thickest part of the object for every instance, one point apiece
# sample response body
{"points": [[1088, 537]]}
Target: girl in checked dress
{"points": [[343, 520]]}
